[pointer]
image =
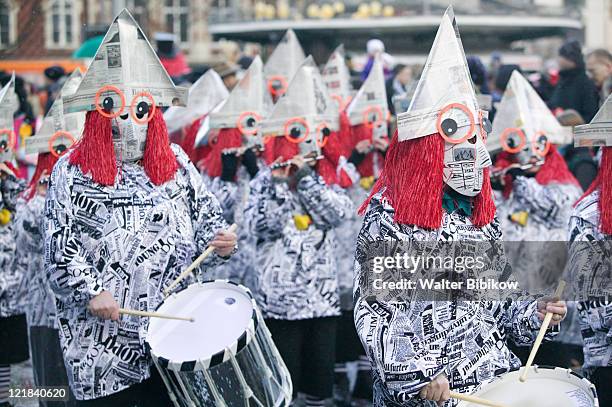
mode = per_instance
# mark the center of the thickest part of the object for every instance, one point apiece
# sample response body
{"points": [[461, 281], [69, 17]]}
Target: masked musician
{"points": [[435, 190], [590, 260], [292, 215], [126, 213], [13, 324]]}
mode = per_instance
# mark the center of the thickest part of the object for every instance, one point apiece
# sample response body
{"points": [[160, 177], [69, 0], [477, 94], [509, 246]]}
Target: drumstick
{"points": [[541, 333], [474, 399], [196, 263], [152, 314]]}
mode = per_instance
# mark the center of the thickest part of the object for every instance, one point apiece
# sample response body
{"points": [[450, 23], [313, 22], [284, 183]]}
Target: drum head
{"points": [[222, 313], [544, 387]]}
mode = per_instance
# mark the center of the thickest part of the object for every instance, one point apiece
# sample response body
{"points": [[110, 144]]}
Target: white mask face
{"points": [[129, 137], [464, 164]]}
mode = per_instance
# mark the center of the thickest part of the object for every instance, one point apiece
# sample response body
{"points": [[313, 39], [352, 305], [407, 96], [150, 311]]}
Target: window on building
{"points": [[8, 25], [62, 24], [139, 11], [177, 19]]}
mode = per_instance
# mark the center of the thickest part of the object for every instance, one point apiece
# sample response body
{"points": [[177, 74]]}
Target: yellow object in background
{"points": [[302, 222], [25, 130], [5, 217], [366, 182], [388, 11], [520, 217]]}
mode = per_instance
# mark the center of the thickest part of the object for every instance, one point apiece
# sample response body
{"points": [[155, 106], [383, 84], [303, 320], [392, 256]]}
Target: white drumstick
{"points": [[474, 399], [152, 314], [541, 333], [195, 264]]}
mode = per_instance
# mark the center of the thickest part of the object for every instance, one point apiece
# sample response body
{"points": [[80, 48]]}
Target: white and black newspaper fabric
{"points": [[411, 341], [296, 268], [133, 240], [29, 235], [590, 273], [11, 298]]}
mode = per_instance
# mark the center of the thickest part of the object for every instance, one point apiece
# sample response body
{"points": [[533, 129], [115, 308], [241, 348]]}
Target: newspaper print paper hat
{"points": [[306, 112], [523, 119], [125, 75], [244, 109], [444, 101], [204, 95], [369, 106], [283, 63], [59, 131], [599, 131], [8, 105], [337, 77]]}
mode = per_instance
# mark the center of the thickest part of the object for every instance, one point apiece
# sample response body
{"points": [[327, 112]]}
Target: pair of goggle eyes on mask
{"points": [[449, 125], [142, 106], [297, 131], [514, 140], [374, 117]]}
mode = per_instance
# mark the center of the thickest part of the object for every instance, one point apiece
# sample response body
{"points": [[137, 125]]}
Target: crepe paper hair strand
{"points": [[44, 165], [224, 139], [159, 161], [413, 182], [603, 183]]}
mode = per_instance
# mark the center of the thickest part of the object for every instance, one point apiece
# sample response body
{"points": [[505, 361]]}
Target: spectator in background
{"points": [[376, 47], [478, 72], [171, 56], [55, 76], [580, 160], [228, 72], [575, 90], [599, 67], [399, 86]]}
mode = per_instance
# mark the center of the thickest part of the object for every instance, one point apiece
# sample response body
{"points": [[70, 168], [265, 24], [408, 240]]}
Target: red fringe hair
{"points": [[603, 183], [224, 139], [44, 165], [554, 169], [413, 182], [94, 154]]}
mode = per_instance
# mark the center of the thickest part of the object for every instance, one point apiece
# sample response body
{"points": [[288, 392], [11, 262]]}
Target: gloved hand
{"points": [[229, 166], [356, 157], [249, 160]]}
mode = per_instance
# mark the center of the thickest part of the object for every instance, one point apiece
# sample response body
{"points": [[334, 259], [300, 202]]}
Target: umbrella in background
{"points": [[88, 48]]}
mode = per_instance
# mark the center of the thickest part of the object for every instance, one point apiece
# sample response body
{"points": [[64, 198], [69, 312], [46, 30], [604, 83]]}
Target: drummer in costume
{"points": [[435, 188], [235, 140], [57, 133], [185, 123], [13, 324], [126, 213], [535, 202], [282, 64], [366, 121], [590, 237], [292, 215]]}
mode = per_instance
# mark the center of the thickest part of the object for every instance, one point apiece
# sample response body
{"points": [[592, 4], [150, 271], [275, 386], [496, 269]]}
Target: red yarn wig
{"points": [[554, 169], [359, 133], [413, 182], [603, 183], [44, 165], [94, 154]]}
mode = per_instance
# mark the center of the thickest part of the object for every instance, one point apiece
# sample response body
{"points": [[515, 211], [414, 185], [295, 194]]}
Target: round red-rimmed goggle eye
{"points": [[140, 108], [105, 108], [296, 130], [248, 123], [447, 126], [510, 144], [60, 149]]}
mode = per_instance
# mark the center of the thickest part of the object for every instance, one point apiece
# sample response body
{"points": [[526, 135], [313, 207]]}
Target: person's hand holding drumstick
{"points": [[437, 390], [104, 306], [224, 242], [554, 305]]}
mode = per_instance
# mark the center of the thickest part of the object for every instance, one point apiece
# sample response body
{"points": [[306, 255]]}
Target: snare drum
{"points": [[545, 387], [226, 357]]}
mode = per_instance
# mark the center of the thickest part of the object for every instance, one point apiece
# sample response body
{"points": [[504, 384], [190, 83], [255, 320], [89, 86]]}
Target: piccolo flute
{"points": [[501, 172], [289, 162]]}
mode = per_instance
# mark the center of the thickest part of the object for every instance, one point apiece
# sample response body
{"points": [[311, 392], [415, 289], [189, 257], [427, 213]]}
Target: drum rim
{"points": [[535, 368], [219, 357]]}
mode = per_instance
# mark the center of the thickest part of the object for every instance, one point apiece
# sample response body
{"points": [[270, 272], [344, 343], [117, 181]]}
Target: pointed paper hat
{"points": [[305, 110], [444, 93], [337, 77], [244, 109], [283, 63], [599, 131], [204, 95], [8, 105], [59, 131], [370, 103], [124, 72], [522, 112]]}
